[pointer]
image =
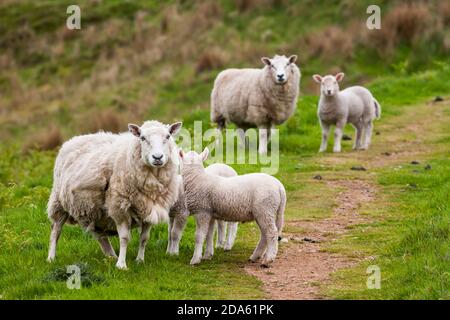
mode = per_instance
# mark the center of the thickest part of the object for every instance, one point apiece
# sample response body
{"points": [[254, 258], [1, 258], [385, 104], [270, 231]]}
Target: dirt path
{"points": [[302, 264]]}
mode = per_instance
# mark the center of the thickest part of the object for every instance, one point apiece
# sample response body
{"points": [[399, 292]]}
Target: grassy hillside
{"points": [[137, 60]]}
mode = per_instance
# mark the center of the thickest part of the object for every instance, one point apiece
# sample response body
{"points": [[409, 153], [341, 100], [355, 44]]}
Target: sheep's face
{"points": [[193, 158], [280, 67], [156, 142], [329, 85]]}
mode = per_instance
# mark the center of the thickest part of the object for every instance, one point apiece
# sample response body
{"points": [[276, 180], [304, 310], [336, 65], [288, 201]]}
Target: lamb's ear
{"points": [[317, 78], [205, 154], [175, 128], [266, 61], [293, 58], [340, 76], [134, 129]]}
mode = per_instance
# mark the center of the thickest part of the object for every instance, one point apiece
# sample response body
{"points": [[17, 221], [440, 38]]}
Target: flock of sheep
{"points": [[110, 183]]}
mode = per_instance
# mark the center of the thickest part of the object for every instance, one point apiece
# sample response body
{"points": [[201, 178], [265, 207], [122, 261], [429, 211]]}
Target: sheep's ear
{"points": [[340, 76], [293, 58], [134, 129], [181, 153], [205, 154], [317, 78], [175, 128], [266, 61]]}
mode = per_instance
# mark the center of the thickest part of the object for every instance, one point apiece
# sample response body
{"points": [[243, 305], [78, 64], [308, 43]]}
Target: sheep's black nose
{"points": [[157, 156], [329, 91], [280, 76]]}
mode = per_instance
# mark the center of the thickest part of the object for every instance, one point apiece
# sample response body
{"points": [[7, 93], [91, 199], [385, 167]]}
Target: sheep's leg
{"points": [[202, 225], [367, 135], [242, 139], [143, 239], [169, 235], [262, 140], [177, 229], [271, 235], [359, 131], [209, 252], [338, 136], [105, 245], [231, 235], [325, 133], [221, 233], [55, 234], [123, 229], [260, 248]]}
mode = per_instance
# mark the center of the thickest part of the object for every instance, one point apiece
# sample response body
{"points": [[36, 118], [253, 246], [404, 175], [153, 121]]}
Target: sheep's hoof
{"points": [[227, 248], [172, 253], [336, 150], [207, 257], [265, 265], [195, 261], [139, 260], [322, 150], [220, 245], [121, 266], [253, 260], [50, 259]]}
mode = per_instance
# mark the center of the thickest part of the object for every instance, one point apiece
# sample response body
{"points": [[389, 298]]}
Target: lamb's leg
{"points": [[202, 220], [209, 252], [325, 133], [231, 235], [169, 235], [260, 248], [367, 135], [177, 229], [359, 131], [143, 239], [57, 225], [271, 235], [105, 245], [262, 140], [123, 229], [338, 136], [221, 233]]}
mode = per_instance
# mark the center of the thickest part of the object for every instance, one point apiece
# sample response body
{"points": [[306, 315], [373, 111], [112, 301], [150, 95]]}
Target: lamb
{"points": [[109, 183], [178, 216], [248, 197], [354, 105], [259, 98]]}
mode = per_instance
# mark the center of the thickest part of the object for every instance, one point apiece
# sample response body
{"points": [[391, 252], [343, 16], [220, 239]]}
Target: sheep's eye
{"points": [[142, 138], [168, 137]]}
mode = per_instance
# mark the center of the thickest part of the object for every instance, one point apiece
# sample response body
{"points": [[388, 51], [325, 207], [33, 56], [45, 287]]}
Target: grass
{"points": [[411, 235]]}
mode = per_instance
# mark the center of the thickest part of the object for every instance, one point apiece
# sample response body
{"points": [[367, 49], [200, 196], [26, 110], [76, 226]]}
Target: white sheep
{"points": [[248, 197], [178, 216], [259, 98], [354, 105], [109, 183]]}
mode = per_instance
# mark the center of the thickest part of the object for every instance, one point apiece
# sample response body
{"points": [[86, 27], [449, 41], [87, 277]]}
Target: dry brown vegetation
{"points": [[47, 139]]}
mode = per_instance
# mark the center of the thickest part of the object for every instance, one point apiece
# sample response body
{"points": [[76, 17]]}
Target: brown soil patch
{"points": [[301, 264]]}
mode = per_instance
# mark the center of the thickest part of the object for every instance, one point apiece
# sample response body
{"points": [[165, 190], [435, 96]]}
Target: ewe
{"points": [[259, 98], [255, 196], [109, 183], [179, 213], [354, 105]]}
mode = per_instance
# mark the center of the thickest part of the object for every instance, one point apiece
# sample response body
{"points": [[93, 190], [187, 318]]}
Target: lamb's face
{"points": [[156, 142], [193, 158], [280, 67], [329, 85]]}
